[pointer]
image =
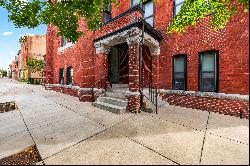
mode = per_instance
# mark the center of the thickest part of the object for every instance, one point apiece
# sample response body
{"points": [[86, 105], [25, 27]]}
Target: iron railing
{"points": [[153, 95], [118, 23]]}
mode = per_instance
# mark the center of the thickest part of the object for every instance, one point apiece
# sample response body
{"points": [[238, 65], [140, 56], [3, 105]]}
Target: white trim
{"points": [[68, 45], [131, 36], [79, 89], [129, 93]]}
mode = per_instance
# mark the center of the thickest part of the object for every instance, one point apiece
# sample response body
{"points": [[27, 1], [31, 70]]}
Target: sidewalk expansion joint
{"points": [[200, 130], [229, 139], [30, 133], [152, 150], [80, 114], [203, 142], [180, 124], [108, 128]]}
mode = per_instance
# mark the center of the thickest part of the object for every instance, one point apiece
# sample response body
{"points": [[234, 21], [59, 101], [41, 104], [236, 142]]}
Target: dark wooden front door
{"points": [[118, 64]]}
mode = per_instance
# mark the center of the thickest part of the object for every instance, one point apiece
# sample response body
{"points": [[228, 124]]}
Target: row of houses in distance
{"points": [[33, 50]]}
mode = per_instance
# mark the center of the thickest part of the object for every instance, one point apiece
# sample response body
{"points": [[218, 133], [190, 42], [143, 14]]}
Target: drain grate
{"points": [[7, 106], [28, 156]]}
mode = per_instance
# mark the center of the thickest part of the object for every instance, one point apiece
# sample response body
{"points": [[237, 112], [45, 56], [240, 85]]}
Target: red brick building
{"points": [[202, 68]]}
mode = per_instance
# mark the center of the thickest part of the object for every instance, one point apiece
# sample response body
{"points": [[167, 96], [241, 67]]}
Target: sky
{"points": [[9, 38]]}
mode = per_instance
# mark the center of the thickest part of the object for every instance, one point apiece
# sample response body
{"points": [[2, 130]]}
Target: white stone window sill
{"points": [[68, 45]]}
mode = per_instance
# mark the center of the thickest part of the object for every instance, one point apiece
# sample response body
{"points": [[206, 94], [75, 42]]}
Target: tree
{"points": [[36, 65], [3, 73], [194, 10], [23, 39], [65, 14]]}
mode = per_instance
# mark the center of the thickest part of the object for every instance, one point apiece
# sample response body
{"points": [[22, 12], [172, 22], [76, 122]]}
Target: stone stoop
{"points": [[114, 99]]}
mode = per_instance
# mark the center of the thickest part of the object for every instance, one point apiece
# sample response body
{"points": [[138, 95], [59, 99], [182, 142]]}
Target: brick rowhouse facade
{"points": [[33, 47], [89, 59]]}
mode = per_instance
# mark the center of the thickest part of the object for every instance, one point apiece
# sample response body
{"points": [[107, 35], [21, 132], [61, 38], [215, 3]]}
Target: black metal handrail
{"points": [[135, 15], [153, 96], [136, 8]]}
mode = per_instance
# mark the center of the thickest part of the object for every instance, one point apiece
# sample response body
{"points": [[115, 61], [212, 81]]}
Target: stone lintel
{"points": [[131, 37]]}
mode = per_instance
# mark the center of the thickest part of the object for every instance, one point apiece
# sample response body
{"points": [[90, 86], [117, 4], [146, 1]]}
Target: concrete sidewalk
{"points": [[67, 131]]}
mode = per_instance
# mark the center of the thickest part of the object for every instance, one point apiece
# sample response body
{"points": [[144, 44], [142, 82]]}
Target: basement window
{"points": [[208, 71], [179, 72]]}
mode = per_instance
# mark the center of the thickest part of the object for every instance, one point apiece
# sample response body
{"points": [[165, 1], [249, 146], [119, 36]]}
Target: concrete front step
{"points": [[118, 90], [110, 107], [117, 95], [119, 85], [114, 101]]}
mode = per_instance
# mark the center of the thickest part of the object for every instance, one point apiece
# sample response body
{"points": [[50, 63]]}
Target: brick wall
{"points": [[231, 42], [80, 56], [222, 106]]}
